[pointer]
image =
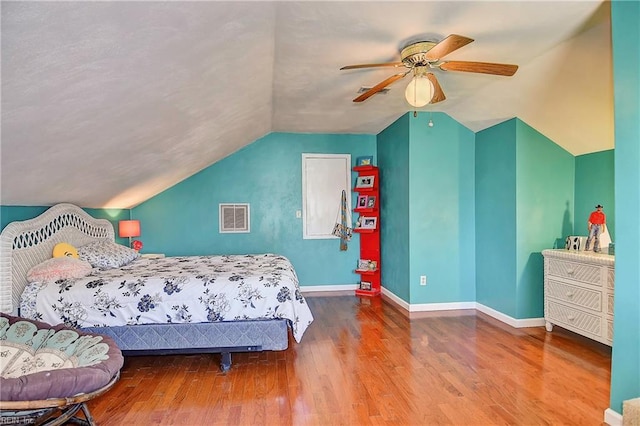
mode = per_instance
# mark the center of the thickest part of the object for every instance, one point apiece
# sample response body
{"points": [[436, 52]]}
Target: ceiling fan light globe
{"points": [[419, 91]]}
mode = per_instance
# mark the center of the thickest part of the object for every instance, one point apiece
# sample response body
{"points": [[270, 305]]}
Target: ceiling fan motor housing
{"points": [[415, 53]]}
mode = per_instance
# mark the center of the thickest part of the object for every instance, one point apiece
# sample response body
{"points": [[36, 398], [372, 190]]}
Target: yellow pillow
{"points": [[65, 249]]}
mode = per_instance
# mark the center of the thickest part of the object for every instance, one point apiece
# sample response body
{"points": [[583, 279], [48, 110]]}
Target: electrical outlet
{"points": [[298, 214], [423, 280]]}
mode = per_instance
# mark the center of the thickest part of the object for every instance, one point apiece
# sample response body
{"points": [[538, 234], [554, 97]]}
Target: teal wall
{"points": [[595, 185], [495, 236], [471, 212], [13, 213], [524, 202], [267, 174], [427, 176], [393, 161], [625, 365], [544, 198], [441, 210]]}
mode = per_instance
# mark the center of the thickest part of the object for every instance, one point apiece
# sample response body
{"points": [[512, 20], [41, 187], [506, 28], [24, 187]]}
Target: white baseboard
{"points": [[450, 306], [513, 322], [612, 418], [398, 301], [327, 288], [429, 307]]}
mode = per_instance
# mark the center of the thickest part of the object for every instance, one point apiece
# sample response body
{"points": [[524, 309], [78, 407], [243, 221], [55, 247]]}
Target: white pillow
{"points": [[107, 254], [59, 268]]}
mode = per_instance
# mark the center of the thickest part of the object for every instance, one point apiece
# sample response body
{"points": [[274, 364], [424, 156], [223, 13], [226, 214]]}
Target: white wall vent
{"points": [[234, 218], [366, 89]]}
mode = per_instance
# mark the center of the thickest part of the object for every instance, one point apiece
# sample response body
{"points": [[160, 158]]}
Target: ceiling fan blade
{"points": [[386, 64], [479, 67], [438, 94], [446, 46], [378, 87]]}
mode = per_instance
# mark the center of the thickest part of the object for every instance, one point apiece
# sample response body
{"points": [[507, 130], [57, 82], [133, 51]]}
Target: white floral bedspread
{"points": [[176, 290]]}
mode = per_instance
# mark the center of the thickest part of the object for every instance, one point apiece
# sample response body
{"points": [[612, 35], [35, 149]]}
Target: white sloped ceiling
{"points": [[105, 104]]}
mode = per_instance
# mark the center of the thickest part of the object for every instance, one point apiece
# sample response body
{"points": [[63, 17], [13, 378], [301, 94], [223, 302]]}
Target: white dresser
{"points": [[578, 292]]}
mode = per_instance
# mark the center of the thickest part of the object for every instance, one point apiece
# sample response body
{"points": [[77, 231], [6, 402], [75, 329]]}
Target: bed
{"points": [[200, 304]]}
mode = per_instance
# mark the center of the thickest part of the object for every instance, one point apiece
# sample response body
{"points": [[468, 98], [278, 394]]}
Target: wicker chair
{"points": [[50, 372]]}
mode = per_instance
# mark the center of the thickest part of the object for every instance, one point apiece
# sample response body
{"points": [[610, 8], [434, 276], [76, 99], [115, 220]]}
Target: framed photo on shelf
{"points": [[369, 222], [362, 201], [371, 201], [367, 160], [365, 285], [365, 181], [363, 263]]}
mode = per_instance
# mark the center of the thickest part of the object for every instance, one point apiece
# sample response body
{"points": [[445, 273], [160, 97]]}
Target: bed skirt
{"points": [[223, 337]]}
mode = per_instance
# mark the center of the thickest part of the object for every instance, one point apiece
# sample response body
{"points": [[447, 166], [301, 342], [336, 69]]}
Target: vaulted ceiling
{"points": [[105, 104]]}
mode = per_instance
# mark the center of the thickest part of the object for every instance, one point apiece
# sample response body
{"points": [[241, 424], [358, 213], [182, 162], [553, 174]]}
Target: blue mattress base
{"points": [[223, 337]]}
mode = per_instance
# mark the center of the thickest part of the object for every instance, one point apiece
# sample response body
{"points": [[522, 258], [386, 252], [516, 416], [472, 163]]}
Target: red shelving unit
{"points": [[368, 227]]}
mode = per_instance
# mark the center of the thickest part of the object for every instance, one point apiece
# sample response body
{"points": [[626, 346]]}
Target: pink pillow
{"points": [[59, 268]]}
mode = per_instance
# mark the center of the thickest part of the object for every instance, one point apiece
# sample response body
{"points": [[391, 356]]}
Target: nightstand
{"points": [[152, 255]]}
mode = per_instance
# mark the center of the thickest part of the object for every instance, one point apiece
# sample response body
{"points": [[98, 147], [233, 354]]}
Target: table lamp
{"points": [[129, 228]]}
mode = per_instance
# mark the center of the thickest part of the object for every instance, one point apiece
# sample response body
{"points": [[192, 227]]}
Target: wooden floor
{"points": [[363, 361]]}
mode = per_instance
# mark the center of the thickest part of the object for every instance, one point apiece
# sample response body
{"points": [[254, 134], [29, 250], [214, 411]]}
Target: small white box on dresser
{"points": [[578, 292]]}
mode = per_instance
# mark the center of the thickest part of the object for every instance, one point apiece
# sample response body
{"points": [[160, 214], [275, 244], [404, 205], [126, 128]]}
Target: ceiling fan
{"points": [[422, 56]]}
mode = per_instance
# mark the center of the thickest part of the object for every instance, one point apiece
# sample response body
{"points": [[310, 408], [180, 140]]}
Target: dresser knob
{"points": [[570, 271], [571, 318], [569, 295]]}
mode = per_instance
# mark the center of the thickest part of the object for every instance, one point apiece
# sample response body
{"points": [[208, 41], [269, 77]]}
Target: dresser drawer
{"points": [[610, 331], [586, 298], [610, 304], [560, 314], [590, 274], [611, 276]]}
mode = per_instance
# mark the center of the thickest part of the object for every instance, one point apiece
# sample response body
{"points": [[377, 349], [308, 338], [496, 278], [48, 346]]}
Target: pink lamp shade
{"points": [[129, 228]]}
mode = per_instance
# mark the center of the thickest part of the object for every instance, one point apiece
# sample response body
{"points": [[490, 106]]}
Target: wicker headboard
{"points": [[24, 244]]}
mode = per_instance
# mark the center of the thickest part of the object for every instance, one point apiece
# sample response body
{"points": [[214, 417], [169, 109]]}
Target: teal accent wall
{"points": [[267, 174], [545, 176], [428, 219], [495, 236], [595, 184], [10, 214], [625, 365], [441, 209], [13, 213], [393, 161], [113, 216], [524, 203]]}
